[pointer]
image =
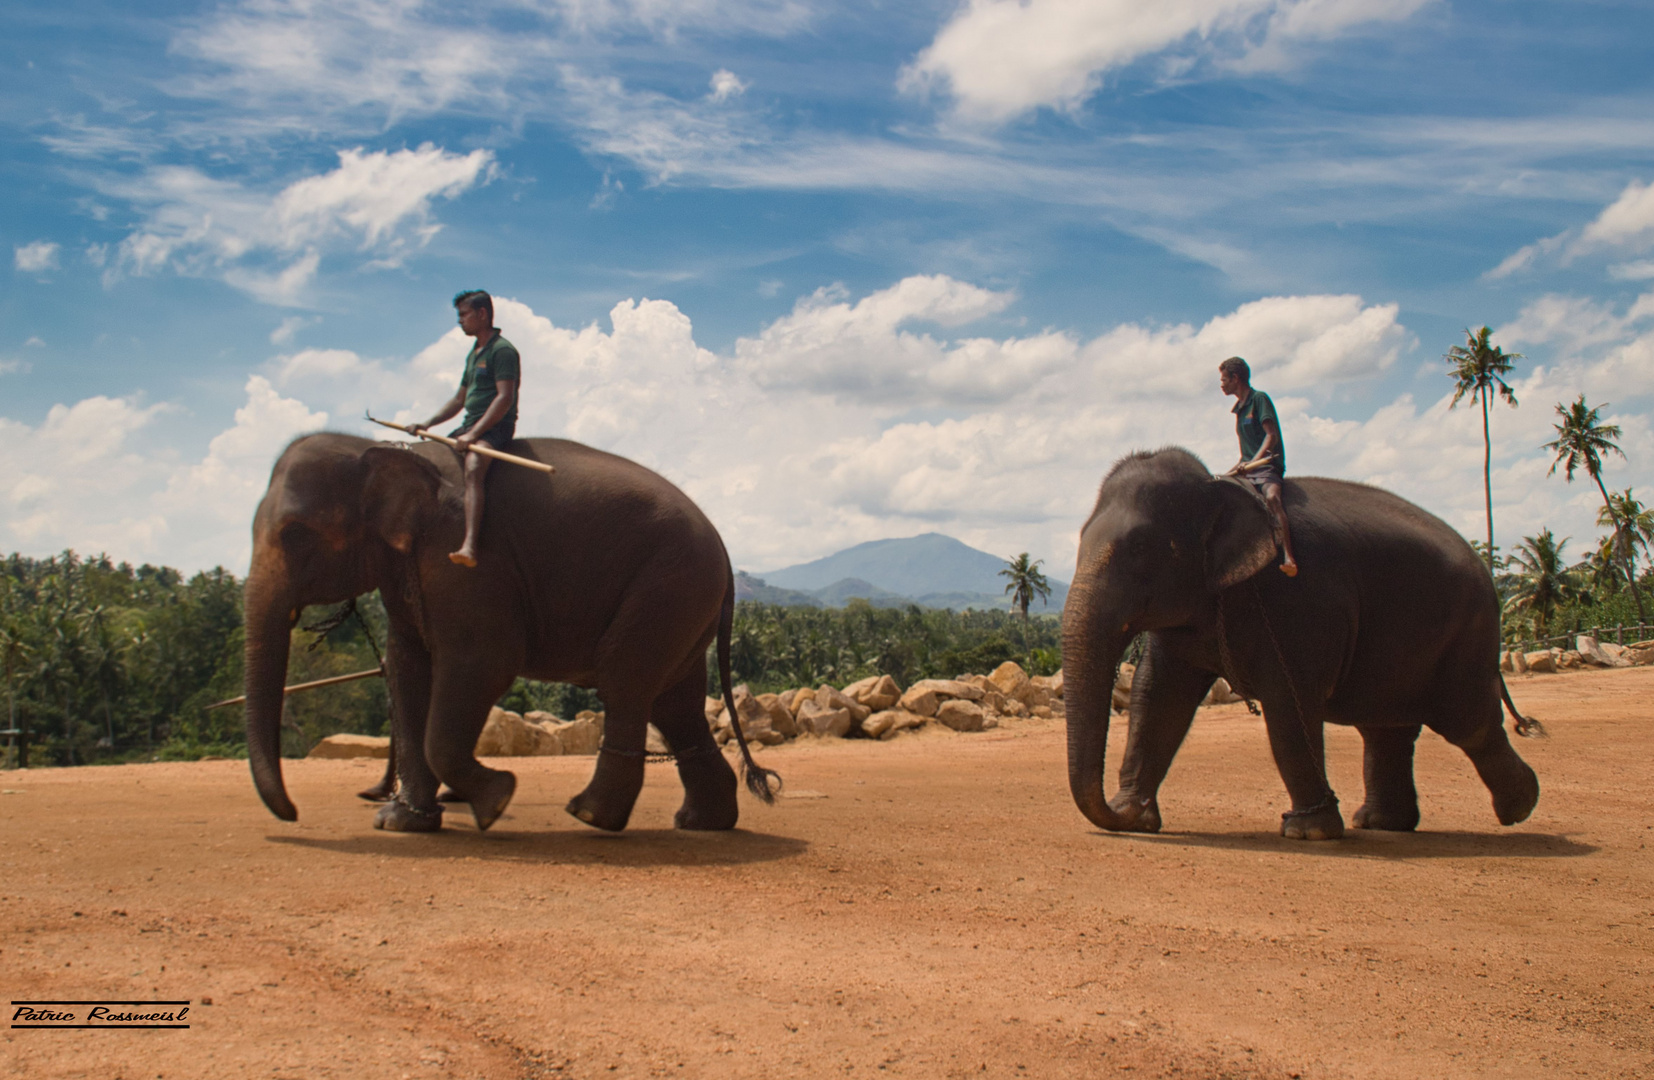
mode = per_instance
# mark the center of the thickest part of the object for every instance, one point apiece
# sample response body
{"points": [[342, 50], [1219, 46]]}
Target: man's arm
{"points": [[455, 404], [504, 397]]}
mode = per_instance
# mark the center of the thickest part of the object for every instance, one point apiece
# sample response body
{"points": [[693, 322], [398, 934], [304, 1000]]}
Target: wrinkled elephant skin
{"points": [[1392, 626], [603, 574]]}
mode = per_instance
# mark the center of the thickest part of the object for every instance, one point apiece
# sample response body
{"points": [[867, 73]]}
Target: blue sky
{"points": [[842, 272]]}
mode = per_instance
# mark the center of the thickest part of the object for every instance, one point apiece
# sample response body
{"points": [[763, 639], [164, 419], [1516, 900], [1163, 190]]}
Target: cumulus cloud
{"points": [[889, 414], [999, 59], [36, 257], [726, 85], [376, 203], [98, 476]]}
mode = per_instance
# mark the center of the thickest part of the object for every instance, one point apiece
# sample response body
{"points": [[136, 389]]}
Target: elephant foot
{"points": [[1395, 819], [1138, 814], [709, 791], [1514, 786], [398, 816], [608, 800], [490, 798], [448, 794], [1320, 822], [380, 792]]}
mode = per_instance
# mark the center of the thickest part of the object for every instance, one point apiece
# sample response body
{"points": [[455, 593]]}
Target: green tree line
{"points": [[104, 662]]}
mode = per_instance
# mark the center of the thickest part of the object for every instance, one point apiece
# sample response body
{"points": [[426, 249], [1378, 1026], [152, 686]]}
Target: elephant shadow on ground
{"points": [[1374, 844], [642, 848]]}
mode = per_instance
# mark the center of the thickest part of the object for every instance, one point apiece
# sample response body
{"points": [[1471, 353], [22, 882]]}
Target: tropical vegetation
{"points": [[107, 663]]}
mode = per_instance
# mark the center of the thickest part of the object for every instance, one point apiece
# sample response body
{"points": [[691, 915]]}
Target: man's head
{"points": [[476, 312], [1234, 376]]}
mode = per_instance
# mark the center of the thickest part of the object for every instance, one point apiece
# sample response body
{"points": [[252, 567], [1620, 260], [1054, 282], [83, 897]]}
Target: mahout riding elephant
{"points": [[1391, 625], [604, 575]]}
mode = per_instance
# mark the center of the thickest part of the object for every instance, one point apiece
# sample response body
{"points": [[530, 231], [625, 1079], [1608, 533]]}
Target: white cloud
{"points": [[95, 476], [852, 419], [36, 257], [376, 203], [1002, 58], [1625, 226], [726, 85]]}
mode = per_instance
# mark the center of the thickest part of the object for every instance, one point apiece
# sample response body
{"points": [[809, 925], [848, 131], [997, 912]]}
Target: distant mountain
{"points": [[931, 570]]}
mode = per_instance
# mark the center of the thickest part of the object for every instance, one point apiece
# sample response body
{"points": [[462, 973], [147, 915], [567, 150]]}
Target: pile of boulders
{"points": [[874, 708], [1587, 652], [878, 708], [1219, 694]]}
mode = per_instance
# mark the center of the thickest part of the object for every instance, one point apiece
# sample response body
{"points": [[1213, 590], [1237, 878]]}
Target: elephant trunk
{"points": [[1092, 649], [269, 623]]}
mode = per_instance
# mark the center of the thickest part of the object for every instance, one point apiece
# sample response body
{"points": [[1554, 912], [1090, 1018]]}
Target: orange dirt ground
{"points": [[930, 907]]}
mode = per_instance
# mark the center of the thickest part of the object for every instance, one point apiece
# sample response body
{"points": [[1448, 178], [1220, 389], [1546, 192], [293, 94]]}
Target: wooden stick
{"points": [[481, 448], [368, 674]]}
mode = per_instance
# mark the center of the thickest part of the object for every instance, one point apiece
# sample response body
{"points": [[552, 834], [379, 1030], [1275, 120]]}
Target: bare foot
{"points": [[463, 557], [1289, 568]]}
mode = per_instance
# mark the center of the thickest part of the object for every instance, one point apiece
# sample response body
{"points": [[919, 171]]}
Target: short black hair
{"points": [[1236, 366], [475, 298]]}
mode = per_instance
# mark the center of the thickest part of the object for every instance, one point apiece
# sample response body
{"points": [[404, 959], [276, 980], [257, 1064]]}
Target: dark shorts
{"points": [[496, 436], [1261, 478]]}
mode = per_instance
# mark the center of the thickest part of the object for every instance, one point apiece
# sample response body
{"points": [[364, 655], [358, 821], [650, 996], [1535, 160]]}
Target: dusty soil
{"points": [[929, 907]]}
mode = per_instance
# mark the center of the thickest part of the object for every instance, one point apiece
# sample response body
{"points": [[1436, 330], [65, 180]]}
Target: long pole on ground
{"points": [[334, 681]]}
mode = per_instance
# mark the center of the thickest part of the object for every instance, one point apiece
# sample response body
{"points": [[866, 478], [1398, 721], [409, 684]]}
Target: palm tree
{"points": [[1632, 522], [1542, 578], [1026, 582], [1603, 568], [1581, 440], [1479, 369]]}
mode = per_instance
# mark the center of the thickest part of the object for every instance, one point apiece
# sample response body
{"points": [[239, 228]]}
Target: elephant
{"points": [[1391, 625], [603, 574]]}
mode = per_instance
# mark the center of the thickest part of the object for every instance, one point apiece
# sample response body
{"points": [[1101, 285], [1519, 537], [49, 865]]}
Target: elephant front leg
{"points": [[1165, 691], [709, 784], [1387, 766], [408, 681], [1299, 746]]}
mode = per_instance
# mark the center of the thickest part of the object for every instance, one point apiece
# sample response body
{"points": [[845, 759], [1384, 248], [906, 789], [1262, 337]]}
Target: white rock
{"points": [[507, 734], [960, 715], [948, 688], [351, 746], [920, 700]]}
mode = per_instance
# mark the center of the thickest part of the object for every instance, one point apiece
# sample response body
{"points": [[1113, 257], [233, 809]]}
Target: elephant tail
{"points": [[756, 776], [1526, 726]]}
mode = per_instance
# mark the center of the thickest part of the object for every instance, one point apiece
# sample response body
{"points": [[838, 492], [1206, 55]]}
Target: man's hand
{"points": [[463, 443]]}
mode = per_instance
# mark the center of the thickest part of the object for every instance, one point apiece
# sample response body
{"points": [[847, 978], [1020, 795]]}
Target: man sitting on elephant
{"points": [[488, 394], [1263, 452]]}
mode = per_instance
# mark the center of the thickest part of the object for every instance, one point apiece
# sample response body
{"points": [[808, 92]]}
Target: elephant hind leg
{"points": [[460, 700], [1469, 717], [1509, 779], [1392, 802], [607, 801], [709, 784]]}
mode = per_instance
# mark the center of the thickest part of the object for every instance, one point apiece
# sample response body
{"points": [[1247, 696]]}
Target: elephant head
{"points": [[341, 515], [1164, 538]]}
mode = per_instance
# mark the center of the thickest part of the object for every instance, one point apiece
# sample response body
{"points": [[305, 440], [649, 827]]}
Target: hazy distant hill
{"points": [[932, 570]]}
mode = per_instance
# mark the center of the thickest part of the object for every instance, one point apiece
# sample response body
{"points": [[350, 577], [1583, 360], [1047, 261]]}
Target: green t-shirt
{"points": [[484, 368], [1250, 416]]}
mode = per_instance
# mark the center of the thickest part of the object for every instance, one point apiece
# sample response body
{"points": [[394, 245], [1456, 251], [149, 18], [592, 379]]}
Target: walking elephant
{"points": [[603, 574], [1391, 625]]}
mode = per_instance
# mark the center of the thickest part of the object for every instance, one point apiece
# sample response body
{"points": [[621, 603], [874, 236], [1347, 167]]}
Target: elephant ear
{"points": [[399, 495], [1240, 538]]}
